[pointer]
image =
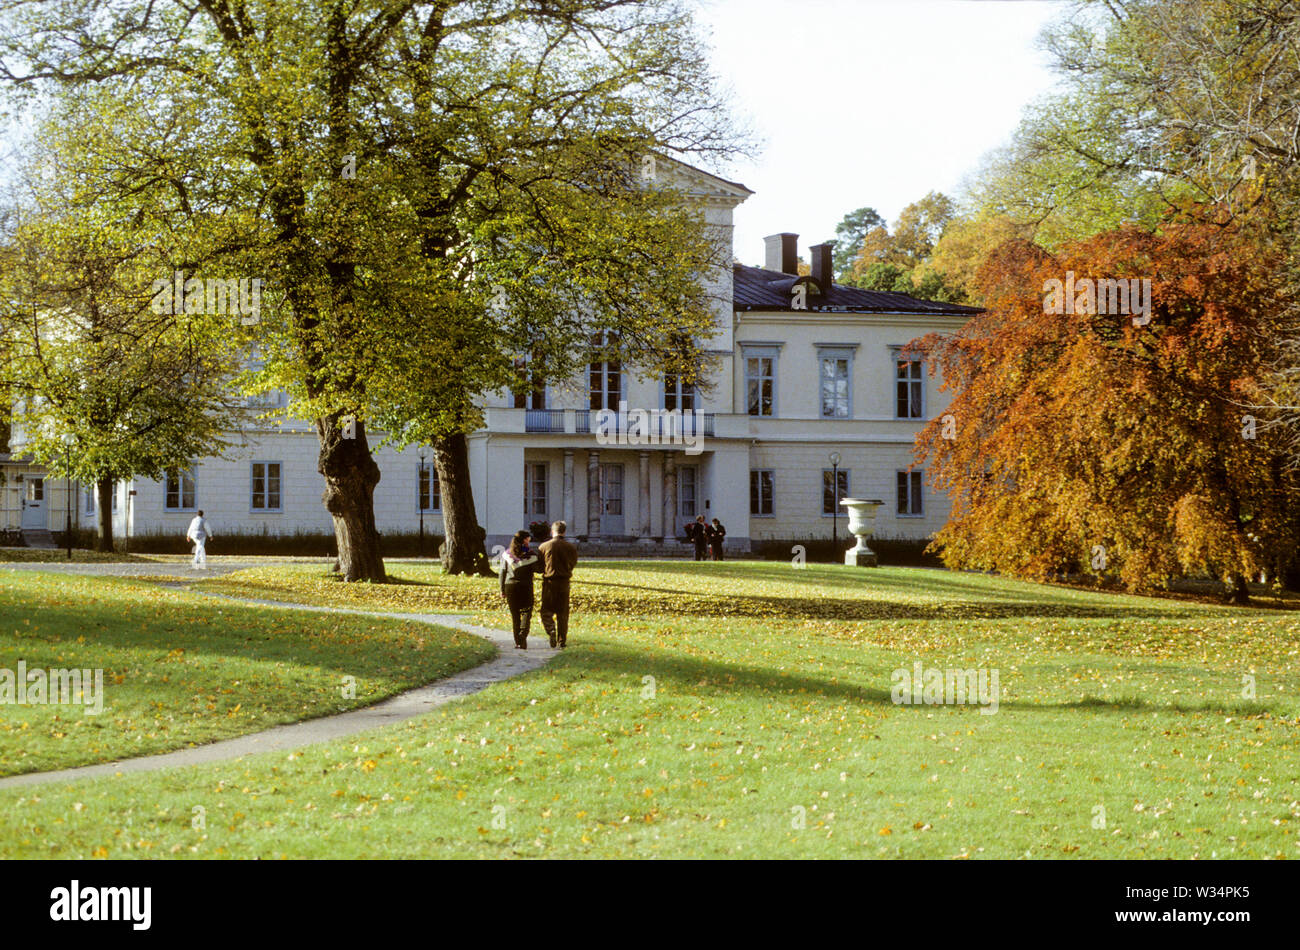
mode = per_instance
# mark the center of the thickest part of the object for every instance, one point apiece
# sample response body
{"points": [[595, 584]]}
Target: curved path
{"points": [[510, 662]]}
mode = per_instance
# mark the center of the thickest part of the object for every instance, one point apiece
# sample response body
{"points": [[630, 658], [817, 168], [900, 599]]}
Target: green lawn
{"points": [[60, 556], [180, 669], [744, 709]]}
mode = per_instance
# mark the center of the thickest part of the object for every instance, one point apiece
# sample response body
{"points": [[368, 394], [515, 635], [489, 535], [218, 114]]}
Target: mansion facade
{"points": [[804, 368]]}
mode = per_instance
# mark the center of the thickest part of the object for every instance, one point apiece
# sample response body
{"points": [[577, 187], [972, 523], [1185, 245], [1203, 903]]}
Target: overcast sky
{"points": [[869, 102]]}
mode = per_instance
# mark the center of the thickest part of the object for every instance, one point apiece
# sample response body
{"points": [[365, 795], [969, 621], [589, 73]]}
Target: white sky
{"points": [[868, 102]]}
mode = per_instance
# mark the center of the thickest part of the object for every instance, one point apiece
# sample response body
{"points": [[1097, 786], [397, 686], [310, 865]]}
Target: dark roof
{"points": [[759, 289]]}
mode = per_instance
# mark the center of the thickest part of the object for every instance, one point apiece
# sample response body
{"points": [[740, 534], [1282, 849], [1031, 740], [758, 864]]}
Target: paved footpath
{"points": [[415, 702]]}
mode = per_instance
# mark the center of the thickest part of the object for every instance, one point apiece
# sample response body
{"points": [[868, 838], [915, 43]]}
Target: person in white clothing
{"points": [[199, 531]]}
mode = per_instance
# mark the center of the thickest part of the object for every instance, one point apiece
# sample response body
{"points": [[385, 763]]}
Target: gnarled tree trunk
{"points": [[462, 552], [351, 475]]}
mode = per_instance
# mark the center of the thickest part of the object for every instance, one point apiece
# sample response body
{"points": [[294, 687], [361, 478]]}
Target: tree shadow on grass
{"points": [[832, 608], [696, 673]]}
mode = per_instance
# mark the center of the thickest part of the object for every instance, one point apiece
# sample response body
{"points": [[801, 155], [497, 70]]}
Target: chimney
{"points": [[822, 271], [782, 253]]}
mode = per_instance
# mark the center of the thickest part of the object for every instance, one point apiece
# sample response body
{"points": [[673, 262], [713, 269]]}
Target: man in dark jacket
{"points": [[559, 557], [698, 533]]}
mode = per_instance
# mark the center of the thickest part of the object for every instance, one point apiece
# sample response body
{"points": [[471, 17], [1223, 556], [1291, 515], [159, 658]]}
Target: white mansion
{"points": [[805, 368]]}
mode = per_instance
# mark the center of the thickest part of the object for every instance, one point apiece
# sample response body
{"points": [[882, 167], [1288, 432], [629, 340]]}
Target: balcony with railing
{"points": [[543, 420], [656, 424]]}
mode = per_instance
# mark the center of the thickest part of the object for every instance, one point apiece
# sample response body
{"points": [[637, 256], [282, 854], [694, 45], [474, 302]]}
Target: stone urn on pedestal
{"points": [[862, 515]]}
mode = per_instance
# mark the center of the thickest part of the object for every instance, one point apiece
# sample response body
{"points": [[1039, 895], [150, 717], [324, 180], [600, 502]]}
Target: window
{"points": [[605, 379], [266, 486], [117, 486], [272, 398], [678, 394], [179, 492], [429, 492], [687, 491], [535, 489], [35, 489], [88, 499], [761, 484], [760, 385], [830, 497], [909, 494], [835, 366], [760, 361], [531, 395], [910, 389]]}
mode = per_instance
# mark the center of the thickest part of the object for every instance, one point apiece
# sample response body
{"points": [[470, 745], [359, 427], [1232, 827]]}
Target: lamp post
{"points": [[68, 439], [835, 509], [419, 500]]}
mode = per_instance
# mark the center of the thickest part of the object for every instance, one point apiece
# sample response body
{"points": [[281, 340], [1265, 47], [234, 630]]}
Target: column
{"points": [[643, 508], [566, 506], [670, 496], [593, 494]]}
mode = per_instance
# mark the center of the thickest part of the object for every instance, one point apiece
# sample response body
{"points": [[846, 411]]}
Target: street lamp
{"points": [[419, 500], [835, 508]]}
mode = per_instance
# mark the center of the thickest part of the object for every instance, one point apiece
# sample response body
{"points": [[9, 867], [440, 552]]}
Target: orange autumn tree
{"points": [[1106, 441]]}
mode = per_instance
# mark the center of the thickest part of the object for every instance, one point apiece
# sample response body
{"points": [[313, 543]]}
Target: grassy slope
{"points": [[180, 669], [769, 731]]}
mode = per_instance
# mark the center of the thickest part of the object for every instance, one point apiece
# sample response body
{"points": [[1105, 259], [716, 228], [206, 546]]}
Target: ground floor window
{"points": [[429, 491], [88, 499], [762, 483], [265, 486], [830, 496], [535, 489], [688, 491], [180, 494], [909, 493]]}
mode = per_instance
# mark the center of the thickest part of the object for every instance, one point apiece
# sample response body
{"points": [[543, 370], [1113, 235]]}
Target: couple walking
{"points": [[706, 537], [557, 558]]}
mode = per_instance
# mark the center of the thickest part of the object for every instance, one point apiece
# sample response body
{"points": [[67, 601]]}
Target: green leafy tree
{"points": [[107, 385], [849, 235], [400, 160]]}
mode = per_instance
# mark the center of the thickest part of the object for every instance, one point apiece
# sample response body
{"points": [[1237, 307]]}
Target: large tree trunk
{"points": [[351, 475], [104, 528], [463, 551]]}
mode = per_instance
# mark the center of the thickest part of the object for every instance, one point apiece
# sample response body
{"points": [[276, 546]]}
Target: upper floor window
{"points": [[532, 393], [760, 380], [265, 486], [909, 388], [179, 494], [605, 378], [428, 492], [271, 398], [679, 394], [835, 368]]}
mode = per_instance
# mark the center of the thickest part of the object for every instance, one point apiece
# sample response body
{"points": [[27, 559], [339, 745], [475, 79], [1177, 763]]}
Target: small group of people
{"points": [[556, 558], [706, 537]]}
